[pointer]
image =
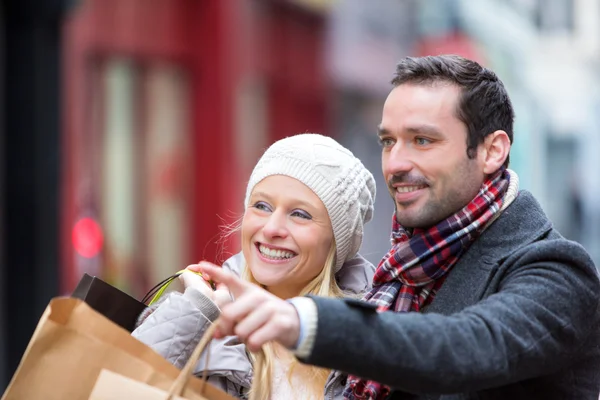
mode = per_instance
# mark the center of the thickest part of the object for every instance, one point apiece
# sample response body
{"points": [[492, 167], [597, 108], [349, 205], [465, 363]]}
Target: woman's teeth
{"points": [[277, 254]]}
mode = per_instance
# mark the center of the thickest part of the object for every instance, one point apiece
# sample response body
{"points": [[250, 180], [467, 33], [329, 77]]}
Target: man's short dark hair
{"points": [[484, 106]]}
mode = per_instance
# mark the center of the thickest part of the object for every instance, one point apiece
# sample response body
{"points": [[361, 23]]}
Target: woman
{"points": [[307, 201]]}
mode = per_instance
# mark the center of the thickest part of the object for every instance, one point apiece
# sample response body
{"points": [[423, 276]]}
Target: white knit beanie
{"points": [[344, 185]]}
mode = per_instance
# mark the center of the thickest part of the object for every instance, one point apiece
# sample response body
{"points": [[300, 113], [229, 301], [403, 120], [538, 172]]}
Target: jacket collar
{"points": [[521, 223]]}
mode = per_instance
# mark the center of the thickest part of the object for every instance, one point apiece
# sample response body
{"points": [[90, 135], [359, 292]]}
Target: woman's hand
{"points": [[220, 296], [190, 279]]}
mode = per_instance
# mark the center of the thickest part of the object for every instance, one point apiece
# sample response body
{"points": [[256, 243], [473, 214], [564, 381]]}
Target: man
{"points": [[479, 297]]}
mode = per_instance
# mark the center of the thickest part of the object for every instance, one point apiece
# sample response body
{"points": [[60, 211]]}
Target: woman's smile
{"points": [[271, 253]]}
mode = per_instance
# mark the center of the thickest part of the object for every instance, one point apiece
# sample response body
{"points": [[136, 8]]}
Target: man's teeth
{"points": [[406, 189], [272, 253]]}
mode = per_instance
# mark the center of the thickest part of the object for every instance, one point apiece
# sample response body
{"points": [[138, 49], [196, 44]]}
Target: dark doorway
{"points": [[29, 187]]}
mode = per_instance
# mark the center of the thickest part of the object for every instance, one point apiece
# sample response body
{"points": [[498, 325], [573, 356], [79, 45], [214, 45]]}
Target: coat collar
{"points": [[521, 223]]}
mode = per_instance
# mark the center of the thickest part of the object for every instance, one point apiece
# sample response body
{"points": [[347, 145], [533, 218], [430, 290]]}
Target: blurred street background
{"points": [[128, 128]]}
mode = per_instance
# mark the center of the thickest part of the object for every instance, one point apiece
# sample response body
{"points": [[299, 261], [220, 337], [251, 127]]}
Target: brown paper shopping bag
{"points": [[73, 343], [113, 386]]}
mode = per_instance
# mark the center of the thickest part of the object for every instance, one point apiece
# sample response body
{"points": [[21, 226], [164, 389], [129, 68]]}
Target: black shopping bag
{"points": [[109, 301]]}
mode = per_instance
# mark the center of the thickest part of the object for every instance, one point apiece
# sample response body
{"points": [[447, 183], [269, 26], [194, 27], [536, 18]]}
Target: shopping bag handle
{"points": [[179, 384], [157, 291]]}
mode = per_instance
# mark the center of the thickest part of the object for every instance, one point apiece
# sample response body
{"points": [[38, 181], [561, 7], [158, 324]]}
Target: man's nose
{"points": [[399, 160]]}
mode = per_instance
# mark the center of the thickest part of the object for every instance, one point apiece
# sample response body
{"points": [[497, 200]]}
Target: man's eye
{"points": [[422, 141], [386, 142]]}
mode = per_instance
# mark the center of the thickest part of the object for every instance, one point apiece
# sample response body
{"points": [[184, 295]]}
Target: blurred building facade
{"points": [[167, 107], [546, 53]]}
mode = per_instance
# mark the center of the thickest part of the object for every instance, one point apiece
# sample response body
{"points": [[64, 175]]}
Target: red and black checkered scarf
{"points": [[411, 273]]}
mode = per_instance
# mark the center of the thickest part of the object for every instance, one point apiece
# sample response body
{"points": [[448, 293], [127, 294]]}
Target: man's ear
{"points": [[496, 147]]}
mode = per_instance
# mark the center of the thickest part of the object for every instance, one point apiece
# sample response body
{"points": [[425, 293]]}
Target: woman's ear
{"points": [[496, 149]]}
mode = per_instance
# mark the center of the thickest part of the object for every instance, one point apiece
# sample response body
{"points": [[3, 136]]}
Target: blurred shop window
{"points": [[365, 39], [87, 155], [119, 176], [437, 17], [564, 206], [549, 16], [524, 7], [555, 16], [167, 172], [134, 174], [251, 125]]}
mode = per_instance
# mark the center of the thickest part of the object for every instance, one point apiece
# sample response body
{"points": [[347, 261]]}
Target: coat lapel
{"points": [[465, 284], [521, 223]]}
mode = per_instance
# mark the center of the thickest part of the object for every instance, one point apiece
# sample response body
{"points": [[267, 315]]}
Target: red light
{"points": [[87, 237]]}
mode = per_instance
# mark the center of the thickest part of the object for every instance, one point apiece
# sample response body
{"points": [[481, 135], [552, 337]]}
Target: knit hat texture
{"points": [[334, 174]]}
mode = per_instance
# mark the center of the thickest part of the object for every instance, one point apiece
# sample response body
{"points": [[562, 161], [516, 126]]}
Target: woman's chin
{"points": [[267, 278]]}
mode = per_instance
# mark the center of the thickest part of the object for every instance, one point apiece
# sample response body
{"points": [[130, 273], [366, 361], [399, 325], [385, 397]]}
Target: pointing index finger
{"points": [[235, 285]]}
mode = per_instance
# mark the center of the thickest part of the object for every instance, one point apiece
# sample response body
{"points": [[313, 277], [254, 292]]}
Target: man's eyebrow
{"points": [[381, 131], [417, 129], [425, 130]]}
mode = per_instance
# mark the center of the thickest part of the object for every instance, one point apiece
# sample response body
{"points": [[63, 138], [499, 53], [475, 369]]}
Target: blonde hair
{"points": [[323, 284]]}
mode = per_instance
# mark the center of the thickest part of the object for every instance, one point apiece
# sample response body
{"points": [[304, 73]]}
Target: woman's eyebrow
{"points": [[297, 202]]}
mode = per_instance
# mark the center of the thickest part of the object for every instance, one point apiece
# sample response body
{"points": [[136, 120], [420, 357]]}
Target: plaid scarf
{"points": [[411, 273]]}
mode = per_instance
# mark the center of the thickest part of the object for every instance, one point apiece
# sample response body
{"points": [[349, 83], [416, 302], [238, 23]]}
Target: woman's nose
{"points": [[276, 226]]}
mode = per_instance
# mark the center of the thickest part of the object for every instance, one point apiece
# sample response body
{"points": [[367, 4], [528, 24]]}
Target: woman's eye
{"points": [[261, 205], [301, 214]]}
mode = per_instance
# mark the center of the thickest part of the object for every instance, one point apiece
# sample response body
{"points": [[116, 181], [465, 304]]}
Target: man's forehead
{"points": [[418, 106]]}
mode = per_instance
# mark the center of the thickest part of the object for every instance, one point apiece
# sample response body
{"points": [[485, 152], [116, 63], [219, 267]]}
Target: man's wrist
{"points": [[307, 315]]}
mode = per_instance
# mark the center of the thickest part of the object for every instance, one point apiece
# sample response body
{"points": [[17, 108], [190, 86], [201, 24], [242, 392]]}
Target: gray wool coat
{"points": [[517, 318], [175, 327]]}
